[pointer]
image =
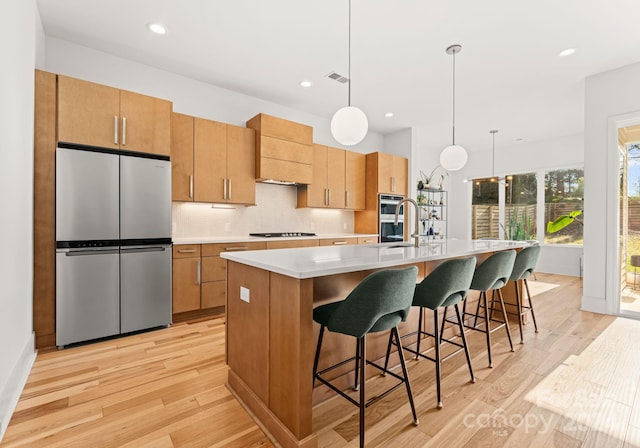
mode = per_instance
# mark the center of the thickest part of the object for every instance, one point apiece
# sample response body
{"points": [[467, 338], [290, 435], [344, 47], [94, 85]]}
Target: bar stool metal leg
{"points": [[519, 308], [317, 357], [533, 315], [405, 374], [483, 297], [506, 320], [363, 362], [464, 342]]}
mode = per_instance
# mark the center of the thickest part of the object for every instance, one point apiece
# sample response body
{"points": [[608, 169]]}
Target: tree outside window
{"points": [[564, 195]]}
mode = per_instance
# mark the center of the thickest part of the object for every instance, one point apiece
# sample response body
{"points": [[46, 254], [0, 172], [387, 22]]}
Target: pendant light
{"points": [[453, 157], [349, 124], [493, 155]]}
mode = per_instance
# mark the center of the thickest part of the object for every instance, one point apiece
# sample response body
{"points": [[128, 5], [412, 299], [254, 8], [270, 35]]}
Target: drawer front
{"points": [[214, 294], [186, 251], [338, 241], [214, 269], [274, 148], [285, 129], [287, 244], [367, 240], [209, 250], [300, 173]]}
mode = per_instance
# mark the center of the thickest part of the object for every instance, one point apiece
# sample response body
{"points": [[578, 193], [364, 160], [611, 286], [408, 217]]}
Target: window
{"points": [[564, 194], [484, 209], [520, 207]]}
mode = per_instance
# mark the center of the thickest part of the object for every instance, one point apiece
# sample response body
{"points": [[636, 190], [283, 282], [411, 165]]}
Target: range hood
{"points": [[284, 150]]}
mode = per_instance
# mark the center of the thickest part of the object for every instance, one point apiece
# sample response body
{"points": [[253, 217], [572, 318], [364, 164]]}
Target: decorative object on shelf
{"points": [[453, 157], [432, 180], [349, 124], [433, 214]]}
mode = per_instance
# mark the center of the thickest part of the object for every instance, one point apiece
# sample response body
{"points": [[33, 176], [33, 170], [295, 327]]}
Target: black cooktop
{"points": [[281, 235]]}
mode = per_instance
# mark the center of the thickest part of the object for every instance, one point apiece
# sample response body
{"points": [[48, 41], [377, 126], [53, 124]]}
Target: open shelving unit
{"points": [[433, 213]]}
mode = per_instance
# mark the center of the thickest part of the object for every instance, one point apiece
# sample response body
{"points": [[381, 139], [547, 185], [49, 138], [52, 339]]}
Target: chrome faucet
{"points": [[416, 234]]}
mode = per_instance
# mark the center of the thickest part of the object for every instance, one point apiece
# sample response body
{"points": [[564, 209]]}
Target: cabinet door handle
{"points": [[369, 241], [393, 184], [186, 251], [229, 188], [339, 243], [198, 273], [115, 129], [124, 131], [224, 189], [191, 187], [328, 196], [346, 198], [229, 249]]}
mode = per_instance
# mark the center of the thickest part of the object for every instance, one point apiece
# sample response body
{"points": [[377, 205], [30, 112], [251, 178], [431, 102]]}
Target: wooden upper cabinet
{"points": [[223, 161], [98, 115], [355, 169], [209, 160], [283, 149], [336, 177], [88, 113], [315, 194], [241, 165], [146, 123], [391, 173], [181, 157]]}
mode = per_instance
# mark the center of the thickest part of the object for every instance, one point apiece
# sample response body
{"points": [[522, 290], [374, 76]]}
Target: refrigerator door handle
{"points": [[139, 249], [77, 253]]}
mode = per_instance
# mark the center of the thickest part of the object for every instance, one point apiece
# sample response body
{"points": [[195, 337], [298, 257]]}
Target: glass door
{"points": [[629, 232]]}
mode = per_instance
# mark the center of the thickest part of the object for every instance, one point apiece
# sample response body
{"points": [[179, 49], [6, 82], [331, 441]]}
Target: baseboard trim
{"points": [[13, 389]]}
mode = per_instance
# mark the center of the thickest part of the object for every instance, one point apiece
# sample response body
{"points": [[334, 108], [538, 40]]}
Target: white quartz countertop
{"points": [[312, 262], [245, 239]]}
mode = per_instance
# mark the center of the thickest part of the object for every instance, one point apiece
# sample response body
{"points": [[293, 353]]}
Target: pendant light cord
{"points": [[349, 52], [454, 97]]}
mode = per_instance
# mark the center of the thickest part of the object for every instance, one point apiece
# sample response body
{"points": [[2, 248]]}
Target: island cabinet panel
{"points": [[291, 347], [248, 327]]}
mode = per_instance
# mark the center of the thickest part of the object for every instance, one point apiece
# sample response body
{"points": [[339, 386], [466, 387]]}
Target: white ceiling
{"points": [[509, 76]]}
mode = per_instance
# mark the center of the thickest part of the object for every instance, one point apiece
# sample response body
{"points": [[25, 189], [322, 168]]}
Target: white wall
{"points": [[189, 96], [609, 96], [18, 42]]}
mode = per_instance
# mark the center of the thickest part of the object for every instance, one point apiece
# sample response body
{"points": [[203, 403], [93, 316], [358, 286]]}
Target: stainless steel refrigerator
{"points": [[113, 243]]}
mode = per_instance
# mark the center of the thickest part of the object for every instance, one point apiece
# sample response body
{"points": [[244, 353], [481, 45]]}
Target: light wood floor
{"points": [[574, 384]]}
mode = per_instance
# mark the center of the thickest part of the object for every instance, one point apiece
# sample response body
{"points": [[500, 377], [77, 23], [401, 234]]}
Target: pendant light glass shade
{"points": [[453, 157], [349, 124]]}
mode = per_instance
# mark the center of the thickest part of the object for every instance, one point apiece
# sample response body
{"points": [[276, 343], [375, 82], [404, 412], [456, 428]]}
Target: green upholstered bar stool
{"points": [[523, 267], [379, 303], [491, 275], [445, 286]]}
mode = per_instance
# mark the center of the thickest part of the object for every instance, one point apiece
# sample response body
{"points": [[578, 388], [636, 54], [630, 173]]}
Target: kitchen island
{"points": [[270, 339]]}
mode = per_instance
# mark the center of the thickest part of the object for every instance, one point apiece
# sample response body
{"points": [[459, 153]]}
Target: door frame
{"points": [[612, 275]]}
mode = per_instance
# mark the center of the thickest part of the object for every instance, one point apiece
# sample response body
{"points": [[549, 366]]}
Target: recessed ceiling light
{"points": [[519, 139], [305, 83], [567, 52], [157, 28], [389, 114]]}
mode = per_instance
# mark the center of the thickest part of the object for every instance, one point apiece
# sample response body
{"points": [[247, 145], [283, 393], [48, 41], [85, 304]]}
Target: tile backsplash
{"points": [[276, 212]]}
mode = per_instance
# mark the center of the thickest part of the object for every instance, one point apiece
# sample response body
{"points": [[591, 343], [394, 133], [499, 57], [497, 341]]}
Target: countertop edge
{"points": [[248, 239]]}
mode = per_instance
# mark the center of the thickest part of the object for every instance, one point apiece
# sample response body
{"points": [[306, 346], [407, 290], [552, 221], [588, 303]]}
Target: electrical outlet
{"points": [[344, 226], [227, 227], [245, 294]]}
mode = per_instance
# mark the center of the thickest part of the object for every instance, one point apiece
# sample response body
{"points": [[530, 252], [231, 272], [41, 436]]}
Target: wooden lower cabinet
{"points": [[200, 274], [338, 241]]}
